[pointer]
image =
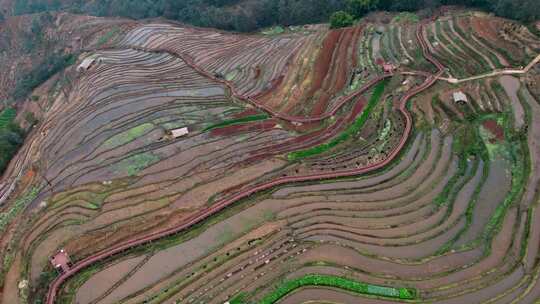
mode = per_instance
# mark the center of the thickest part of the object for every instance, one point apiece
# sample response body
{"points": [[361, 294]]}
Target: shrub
{"points": [[341, 19], [30, 118], [11, 137], [52, 65]]}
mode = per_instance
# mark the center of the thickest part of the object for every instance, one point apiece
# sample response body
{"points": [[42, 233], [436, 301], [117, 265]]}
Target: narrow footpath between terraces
{"points": [[224, 203]]}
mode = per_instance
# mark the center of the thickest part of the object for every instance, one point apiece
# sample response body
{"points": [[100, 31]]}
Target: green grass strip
{"points": [[128, 136], [237, 121], [17, 207], [136, 163], [338, 282], [105, 38], [349, 132], [406, 17], [6, 117], [240, 298]]}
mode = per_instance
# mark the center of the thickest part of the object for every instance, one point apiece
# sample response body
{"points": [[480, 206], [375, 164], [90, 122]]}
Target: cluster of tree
{"points": [[52, 65], [523, 10], [249, 15], [341, 19], [11, 138]]}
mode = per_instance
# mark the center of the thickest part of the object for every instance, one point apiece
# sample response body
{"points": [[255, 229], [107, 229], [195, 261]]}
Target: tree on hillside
{"points": [[360, 7], [525, 10], [249, 15], [11, 138], [341, 19], [407, 5]]}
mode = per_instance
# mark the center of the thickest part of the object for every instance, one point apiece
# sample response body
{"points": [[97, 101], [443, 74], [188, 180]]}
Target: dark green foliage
{"points": [[236, 15], [6, 117], [242, 15], [30, 118], [469, 143], [341, 19], [338, 282], [11, 137], [359, 7], [34, 37], [524, 10], [52, 65], [240, 298], [237, 121], [32, 6]]}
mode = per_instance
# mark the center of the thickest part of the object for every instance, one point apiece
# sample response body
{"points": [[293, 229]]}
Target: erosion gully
{"points": [[224, 203]]}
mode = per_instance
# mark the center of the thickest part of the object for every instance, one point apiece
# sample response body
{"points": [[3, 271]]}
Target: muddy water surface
{"points": [[165, 262], [376, 46], [494, 190], [511, 86], [327, 295], [533, 141], [99, 283]]}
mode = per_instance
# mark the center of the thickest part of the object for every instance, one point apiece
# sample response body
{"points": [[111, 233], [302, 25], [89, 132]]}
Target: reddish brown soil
{"points": [[247, 112], [321, 104], [488, 29], [257, 72], [336, 79], [357, 34], [312, 138], [322, 64], [247, 127], [494, 128], [483, 28]]}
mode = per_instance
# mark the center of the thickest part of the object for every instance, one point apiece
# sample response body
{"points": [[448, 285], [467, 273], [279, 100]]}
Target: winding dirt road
{"points": [[224, 203], [495, 73]]}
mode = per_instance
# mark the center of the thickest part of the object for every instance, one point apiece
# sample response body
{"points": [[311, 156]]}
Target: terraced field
{"points": [[308, 173]]}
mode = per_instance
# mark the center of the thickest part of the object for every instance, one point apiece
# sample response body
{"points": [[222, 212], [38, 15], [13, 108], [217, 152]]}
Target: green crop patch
{"points": [[240, 298], [17, 207], [276, 30], [136, 163], [341, 283], [6, 117], [347, 133], [107, 37], [128, 136], [237, 121], [406, 17]]}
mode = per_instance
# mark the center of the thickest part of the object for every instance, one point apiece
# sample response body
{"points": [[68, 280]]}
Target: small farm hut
{"points": [[460, 97]]}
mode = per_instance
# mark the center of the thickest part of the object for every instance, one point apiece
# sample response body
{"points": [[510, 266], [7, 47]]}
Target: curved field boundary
{"points": [[7, 116], [495, 72], [347, 133], [253, 101], [341, 283], [231, 122], [224, 203]]}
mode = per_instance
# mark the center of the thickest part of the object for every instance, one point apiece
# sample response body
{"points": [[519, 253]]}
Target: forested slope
{"points": [[249, 15]]}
